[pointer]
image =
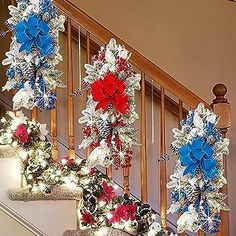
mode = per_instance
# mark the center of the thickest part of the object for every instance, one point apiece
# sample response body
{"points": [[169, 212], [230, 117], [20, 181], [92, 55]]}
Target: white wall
{"points": [[9, 227]]}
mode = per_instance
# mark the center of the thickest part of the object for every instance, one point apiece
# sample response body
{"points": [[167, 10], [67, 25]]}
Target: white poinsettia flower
{"points": [[174, 208], [17, 114], [200, 108], [123, 53], [112, 44], [156, 226], [9, 85], [17, 118], [188, 221], [98, 155], [211, 118], [110, 57], [43, 131], [199, 126], [13, 11], [9, 58], [104, 69], [24, 98], [36, 6]]}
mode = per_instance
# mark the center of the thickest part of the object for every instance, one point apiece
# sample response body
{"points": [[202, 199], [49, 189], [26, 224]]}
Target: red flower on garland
{"points": [[21, 133], [87, 218], [125, 212], [110, 90], [107, 192]]}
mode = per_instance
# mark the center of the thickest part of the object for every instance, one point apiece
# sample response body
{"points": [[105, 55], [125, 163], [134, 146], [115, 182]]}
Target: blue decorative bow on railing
{"points": [[198, 154], [34, 32]]}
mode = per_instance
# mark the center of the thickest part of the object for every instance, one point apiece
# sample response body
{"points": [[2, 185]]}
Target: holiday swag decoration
{"points": [[199, 172], [110, 111], [34, 53]]}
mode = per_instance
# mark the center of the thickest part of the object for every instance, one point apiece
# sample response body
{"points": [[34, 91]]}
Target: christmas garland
{"points": [[199, 172], [101, 206], [110, 111], [34, 53]]}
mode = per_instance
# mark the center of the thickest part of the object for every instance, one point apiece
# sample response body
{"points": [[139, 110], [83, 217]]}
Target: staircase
{"points": [[161, 96]]}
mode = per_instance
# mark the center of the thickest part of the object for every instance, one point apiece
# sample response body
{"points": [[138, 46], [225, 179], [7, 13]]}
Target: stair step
{"points": [[52, 217], [96, 232]]}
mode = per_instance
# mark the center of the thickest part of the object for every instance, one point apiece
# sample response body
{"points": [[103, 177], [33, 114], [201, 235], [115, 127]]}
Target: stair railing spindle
{"points": [[34, 115], [180, 118], [163, 190], [70, 89], [143, 152], [55, 154]]}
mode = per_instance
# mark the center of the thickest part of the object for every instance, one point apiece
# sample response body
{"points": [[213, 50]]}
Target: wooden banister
{"points": [[137, 59]]}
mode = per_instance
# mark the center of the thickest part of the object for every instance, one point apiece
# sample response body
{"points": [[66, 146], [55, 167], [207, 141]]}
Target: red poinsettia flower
{"points": [[125, 212], [107, 192], [21, 133], [87, 218], [110, 90], [130, 212]]}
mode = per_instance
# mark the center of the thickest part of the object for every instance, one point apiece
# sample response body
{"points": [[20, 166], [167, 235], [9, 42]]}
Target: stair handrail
{"points": [[21, 220], [138, 60]]}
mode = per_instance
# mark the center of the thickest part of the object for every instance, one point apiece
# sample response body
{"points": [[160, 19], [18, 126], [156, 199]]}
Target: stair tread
{"points": [[90, 232], [58, 193]]}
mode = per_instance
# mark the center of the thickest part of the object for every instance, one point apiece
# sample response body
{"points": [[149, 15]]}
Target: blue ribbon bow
{"points": [[34, 32], [198, 154]]}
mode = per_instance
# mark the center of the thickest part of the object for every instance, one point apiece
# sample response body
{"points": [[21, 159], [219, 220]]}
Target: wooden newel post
{"points": [[221, 107]]}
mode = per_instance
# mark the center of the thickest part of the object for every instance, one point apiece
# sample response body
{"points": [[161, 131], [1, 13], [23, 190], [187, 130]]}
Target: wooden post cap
{"points": [[221, 106], [220, 91]]}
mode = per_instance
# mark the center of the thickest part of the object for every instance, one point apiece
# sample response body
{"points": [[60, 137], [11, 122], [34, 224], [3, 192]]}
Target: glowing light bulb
{"points": [[153, 216], [102, 203], [23, 154], [115, 186], [101, 232], [14, 144], [78, 161], [109, 215], [63, 161], [3, 120]]}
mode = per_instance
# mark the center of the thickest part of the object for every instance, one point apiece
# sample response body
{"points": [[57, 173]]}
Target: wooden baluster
{"points": [[126, 180], [88, 61], [180, 118], [70, 101], [180, 111], [34, 115], [88, 52], [200, 233], [54, 134], [221, 107], [143, 153], [163, 191]]}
